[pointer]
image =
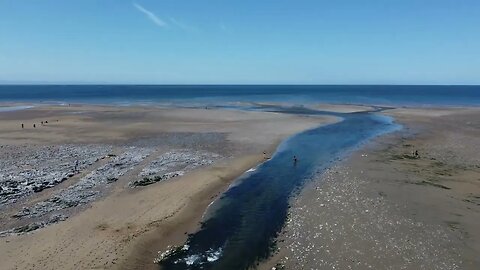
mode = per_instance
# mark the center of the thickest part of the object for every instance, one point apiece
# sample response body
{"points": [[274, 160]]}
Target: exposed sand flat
{"points": [[386, 208], [124, 227], [342, 108], [100, 124]]}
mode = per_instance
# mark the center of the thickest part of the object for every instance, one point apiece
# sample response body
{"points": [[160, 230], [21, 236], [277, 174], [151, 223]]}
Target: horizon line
{"points": [[227, 84]]}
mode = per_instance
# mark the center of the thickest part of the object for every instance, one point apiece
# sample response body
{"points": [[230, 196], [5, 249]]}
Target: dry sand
{"points": [[125, 227], [385, 208]]}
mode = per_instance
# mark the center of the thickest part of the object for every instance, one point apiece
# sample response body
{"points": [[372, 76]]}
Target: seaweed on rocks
{"points": [[87, 188], [172, 164], [29, 169], [33, 226]]}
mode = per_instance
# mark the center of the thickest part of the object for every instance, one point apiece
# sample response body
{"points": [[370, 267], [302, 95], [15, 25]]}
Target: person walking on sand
{"points": [[76, 166], [22, 125]]}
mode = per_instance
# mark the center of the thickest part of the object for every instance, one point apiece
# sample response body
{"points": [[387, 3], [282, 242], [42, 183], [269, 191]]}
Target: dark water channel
{"points": [[245, 221]]}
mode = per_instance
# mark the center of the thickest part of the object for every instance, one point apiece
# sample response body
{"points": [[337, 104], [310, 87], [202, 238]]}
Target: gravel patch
{"points": [[336, 224]]}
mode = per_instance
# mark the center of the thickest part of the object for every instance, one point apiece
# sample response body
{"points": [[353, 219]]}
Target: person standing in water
{"points": [[295, 160]]}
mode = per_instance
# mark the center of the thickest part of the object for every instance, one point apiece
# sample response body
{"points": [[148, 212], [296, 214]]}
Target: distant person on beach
{"points": [[22, 125], [33, 125]]}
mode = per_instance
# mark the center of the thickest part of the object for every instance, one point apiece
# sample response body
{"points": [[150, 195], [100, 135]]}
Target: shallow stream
{"points": [[242, 225]]}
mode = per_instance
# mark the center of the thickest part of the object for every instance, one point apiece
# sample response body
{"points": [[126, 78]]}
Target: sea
{"points": [[184, 95]]}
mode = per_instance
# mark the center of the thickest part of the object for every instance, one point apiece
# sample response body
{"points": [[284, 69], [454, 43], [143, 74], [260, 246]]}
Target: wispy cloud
{"points": [[183, 25], [150, 15]]}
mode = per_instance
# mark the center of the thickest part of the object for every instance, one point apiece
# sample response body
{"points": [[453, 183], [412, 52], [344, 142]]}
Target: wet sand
{"points": [[386, 208], [342, 108], [123, 227]]}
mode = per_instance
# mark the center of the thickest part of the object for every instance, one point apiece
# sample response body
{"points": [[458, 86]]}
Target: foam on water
{"points": [[14, 108], [190, 260], [199, 259], [213, 255]]}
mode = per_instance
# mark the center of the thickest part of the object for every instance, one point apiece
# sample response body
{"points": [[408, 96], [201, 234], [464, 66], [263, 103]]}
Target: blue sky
{"points": [[261, 41]]}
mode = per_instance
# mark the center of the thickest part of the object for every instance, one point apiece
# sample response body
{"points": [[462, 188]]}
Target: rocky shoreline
{"points": [[172, 164], [28, 170]]}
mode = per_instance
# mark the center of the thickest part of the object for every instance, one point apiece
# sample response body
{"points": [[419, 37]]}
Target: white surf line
{"points": [[15, 108]]}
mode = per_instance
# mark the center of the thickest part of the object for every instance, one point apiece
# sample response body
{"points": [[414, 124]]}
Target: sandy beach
{"points": [[385, 207], [108, 187], [105, 187]]}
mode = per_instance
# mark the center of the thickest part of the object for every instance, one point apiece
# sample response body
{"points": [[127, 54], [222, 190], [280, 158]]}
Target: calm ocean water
{"points": [[344, 94]]}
